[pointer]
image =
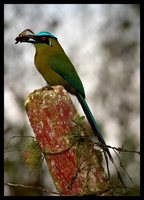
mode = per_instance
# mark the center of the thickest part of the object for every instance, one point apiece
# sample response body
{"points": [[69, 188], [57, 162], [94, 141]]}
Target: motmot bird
{"points": [[57, 69]]}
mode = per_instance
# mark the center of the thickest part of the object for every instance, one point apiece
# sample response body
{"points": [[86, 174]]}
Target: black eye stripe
{"points": [[44, 39], [39, 38]]}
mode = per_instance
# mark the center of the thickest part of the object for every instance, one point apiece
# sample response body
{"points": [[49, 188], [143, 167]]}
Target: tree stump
{"points": [[74, 164]]}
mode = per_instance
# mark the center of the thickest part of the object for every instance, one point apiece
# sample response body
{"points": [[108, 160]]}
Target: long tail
{"points": [[98, 134], [92, 122]]}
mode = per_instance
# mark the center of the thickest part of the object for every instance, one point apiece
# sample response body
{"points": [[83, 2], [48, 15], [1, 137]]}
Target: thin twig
{"points": [[31, 187], [17, 136], [120, 149]]}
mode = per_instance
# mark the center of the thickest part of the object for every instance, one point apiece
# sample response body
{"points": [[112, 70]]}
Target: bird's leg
{"points": [[48, 87]]}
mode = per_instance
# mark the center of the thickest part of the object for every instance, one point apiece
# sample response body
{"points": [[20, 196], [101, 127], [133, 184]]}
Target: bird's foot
{"points": [[48, 87]]}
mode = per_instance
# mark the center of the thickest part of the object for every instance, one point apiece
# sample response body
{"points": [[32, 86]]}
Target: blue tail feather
{"points": [[92, 122]]}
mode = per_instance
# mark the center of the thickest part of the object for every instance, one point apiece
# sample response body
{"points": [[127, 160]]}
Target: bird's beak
{"points": [[26, 36]]}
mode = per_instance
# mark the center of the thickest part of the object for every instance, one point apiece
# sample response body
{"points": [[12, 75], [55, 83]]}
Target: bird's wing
{"points": [[61, 64]]}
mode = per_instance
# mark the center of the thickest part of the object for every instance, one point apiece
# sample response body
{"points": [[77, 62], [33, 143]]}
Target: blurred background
{"points": [[103, 43]]}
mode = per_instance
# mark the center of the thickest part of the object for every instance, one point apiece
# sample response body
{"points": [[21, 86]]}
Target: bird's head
{"points": [[29, 37]]}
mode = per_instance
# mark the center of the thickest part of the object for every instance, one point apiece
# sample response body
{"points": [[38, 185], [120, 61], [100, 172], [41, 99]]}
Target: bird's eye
{"points": [[43, 38]]}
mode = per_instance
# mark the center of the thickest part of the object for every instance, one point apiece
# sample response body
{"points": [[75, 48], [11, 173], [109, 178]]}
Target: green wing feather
{"points": [[61, 64]]}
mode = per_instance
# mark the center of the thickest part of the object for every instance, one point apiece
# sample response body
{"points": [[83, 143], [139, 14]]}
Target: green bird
{"points": [[57, 69]]}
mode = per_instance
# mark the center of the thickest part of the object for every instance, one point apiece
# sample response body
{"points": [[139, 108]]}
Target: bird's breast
{"points": [[51, 77]]}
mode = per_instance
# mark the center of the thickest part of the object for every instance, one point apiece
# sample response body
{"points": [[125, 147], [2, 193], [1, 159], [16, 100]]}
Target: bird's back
{"points": [[56, 68]]}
